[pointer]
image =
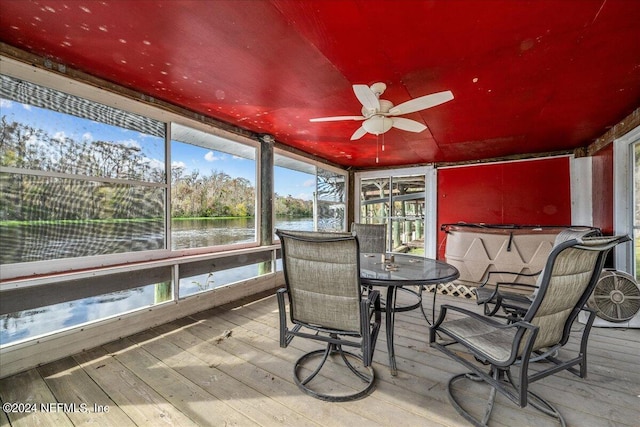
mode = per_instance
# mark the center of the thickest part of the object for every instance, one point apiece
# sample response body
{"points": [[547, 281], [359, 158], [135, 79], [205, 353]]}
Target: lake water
{"points": [[49, 241], [28, 324], [214, 232]]}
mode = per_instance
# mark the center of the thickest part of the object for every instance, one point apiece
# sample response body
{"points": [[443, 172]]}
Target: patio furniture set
{"points": [[338, 286]]}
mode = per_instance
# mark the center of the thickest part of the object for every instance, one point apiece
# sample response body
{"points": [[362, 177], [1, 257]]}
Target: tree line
{"points": [[31, 197]]}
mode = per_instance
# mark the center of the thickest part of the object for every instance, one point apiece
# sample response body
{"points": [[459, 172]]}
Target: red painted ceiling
{"points": [[527, 76]]}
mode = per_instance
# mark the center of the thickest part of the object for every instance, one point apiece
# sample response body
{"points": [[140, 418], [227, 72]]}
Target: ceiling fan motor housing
{"points": [[378, 88], [380, 115]]}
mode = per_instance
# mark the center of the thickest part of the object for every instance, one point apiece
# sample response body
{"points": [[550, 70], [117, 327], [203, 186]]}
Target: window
{"points": [[636, 209], [294, 185], [626, 196], [213, 194], [194, 282], [407, 220], [85, 184], [78, 178], [330, 200], [308, 197], [28, 324], [399, 199]]}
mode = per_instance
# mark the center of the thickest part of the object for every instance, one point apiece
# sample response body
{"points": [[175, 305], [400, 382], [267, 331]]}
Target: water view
{"points": [[185, 234]]}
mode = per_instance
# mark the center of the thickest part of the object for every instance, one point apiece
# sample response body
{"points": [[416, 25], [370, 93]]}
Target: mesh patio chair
{"points": [[570, 274], [326, 303], [511, 300], [373, 240], [371, 237]]}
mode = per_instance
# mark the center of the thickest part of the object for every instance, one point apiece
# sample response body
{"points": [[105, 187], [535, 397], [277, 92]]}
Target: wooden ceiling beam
{"points": [[625, 126]]}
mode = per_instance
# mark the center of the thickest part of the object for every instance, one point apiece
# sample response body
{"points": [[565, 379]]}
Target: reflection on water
{"points": [[48, 241], [58, 240], [198, 233], [44, 320], [207, 281], [185, 234], [300, 224]]}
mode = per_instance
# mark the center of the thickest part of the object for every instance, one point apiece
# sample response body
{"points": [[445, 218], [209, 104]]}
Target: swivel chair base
{"points": [[364, 374], [533, 399]]}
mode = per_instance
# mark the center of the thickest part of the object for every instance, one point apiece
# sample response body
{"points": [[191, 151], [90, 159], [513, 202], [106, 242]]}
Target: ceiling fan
{"points": [[379, 115]]}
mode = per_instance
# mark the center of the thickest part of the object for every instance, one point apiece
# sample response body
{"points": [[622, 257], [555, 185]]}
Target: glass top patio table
{"points": [[404, 270]]}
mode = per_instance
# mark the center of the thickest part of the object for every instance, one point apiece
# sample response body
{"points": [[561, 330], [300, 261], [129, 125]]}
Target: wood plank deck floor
{"points": [[225, 367]]}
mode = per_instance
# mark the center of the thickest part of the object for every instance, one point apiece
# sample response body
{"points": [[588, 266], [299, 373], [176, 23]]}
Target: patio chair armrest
{"points": [[493, 296], [520, 325], [282, 315], [373, 301], [516, 285], [508, 294], [373, 298], [513, 273], [280, 293], [486, 297], [446, 307], [497, 294]]}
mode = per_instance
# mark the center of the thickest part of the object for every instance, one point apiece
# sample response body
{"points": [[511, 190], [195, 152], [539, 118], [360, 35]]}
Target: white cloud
{"points": [[59, 135], [155, 163], [130, 143], [175, 164], [26, 107], [87, 136], [304, 196], [34, 141], [5, 103], [309, 183], [210, 157]]}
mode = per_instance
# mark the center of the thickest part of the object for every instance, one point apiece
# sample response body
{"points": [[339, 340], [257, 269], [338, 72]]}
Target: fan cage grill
{"points": [[616, 297]]}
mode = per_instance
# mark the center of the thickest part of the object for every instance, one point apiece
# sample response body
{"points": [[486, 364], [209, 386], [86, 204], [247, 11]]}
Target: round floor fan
{"points": [[616, 297]]}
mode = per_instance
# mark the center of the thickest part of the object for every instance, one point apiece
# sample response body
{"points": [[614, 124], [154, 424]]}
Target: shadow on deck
{"points": [[225, 367]]}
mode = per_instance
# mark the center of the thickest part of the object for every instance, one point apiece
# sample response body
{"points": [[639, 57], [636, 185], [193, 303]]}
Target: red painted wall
{"points": [[529, 192], [602, 185]]}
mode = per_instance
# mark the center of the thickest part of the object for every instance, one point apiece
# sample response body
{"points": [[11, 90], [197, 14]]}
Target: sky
{"points": [[191, 157]]}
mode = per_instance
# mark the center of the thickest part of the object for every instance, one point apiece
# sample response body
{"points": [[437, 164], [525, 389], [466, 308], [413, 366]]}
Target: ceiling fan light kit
{"points": [[378, 115], [377, 124]]}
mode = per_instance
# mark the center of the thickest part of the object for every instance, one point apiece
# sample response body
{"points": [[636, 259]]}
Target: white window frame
{"points": [[581, 182], [22, 71], [431, 200], [623, 198], [315, 165]]}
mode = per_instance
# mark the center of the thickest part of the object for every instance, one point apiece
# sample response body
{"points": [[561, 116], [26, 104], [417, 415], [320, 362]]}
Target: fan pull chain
{"points": [[377, 146], [383, 142]]}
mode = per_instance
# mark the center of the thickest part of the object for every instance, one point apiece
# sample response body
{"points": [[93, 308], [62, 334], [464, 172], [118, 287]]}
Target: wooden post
{"points": [[265, 215], [162, 292]]}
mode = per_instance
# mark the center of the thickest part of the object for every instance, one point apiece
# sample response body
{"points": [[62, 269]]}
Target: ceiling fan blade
{"points": [[422, 103], [359, 133], [408, 124], [367, 98], [336, 118]]}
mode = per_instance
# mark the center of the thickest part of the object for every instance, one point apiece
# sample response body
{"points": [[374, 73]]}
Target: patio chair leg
{"points": [[359, 374], [542, 405], [424, 313], [311, 376], [367, 378], [534, 400], [467, 416]]}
